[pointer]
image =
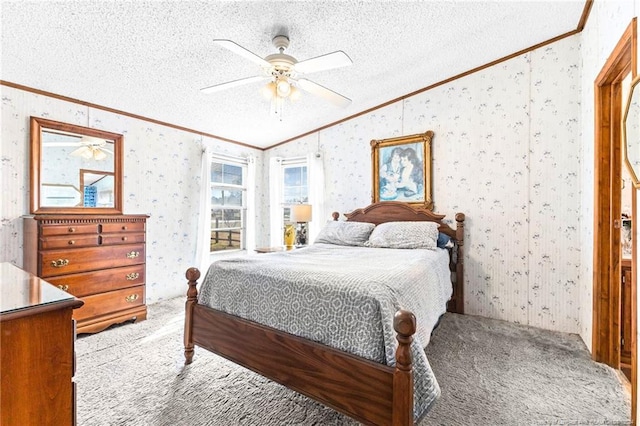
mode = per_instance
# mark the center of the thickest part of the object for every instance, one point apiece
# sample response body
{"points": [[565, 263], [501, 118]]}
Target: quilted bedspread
{"points": [[341, 296]]}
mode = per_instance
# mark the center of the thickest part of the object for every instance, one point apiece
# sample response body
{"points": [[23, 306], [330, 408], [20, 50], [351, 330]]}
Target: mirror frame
{"points": [[37, 125], [635, 87]]}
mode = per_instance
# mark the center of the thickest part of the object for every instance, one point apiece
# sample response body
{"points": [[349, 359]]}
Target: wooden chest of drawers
{"points": [[99, 259]]}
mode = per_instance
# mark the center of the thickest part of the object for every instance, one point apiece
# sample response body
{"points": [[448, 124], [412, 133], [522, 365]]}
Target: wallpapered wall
{"points": [[506, 152], [161, 179]]}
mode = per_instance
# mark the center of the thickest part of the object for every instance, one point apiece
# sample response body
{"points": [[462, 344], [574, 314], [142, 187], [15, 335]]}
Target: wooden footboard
{"points": [[367, 391]]}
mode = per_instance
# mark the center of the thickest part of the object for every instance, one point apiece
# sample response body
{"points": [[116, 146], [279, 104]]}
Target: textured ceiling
{"points": [[151, 58]]}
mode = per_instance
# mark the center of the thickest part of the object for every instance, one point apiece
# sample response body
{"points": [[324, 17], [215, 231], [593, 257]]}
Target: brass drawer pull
{"points": [[131, 298], [132, 276], [133, 254], [72, 229], [59, 263], [71, 242], [63, 287]]}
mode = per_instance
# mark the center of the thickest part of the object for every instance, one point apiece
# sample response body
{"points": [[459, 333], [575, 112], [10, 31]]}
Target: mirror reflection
{"points": [[631, 132], [83, 163], [74, 169]]}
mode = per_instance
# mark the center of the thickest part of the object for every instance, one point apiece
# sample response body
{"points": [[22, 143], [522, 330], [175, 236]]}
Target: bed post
{"points": [[460, 263], [404, 323], [193, 274]]}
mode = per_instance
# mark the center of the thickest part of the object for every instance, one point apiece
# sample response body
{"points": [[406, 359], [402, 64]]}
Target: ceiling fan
{"points": [[88, 146], [284, 72]]}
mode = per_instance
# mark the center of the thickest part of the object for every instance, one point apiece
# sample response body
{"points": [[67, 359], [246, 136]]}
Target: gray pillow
{"points": [[405, 235], [345, 233]]}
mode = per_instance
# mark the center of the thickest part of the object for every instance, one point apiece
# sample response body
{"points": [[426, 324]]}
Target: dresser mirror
{"points": [[74, 169], [631, 132]]}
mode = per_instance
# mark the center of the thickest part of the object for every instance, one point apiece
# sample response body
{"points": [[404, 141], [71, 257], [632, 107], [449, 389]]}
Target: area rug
{"points": [[491, 372]]}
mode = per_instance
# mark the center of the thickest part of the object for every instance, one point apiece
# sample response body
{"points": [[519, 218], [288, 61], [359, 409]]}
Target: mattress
{"points": [[341, 296]]}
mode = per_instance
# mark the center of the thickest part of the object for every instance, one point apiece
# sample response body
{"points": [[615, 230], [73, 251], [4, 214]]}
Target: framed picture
{"points": [[402, 169]]}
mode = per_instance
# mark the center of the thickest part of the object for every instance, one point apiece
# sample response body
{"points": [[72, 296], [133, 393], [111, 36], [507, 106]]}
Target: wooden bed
{"points": [[372, 393]]}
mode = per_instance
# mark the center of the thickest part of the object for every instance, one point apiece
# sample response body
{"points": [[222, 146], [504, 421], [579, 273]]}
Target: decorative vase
{"points": [[289, 235]]}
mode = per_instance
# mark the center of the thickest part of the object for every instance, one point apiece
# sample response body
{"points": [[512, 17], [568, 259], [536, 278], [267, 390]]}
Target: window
{"points": [[298, 180], [295, 187], [228, 205]]}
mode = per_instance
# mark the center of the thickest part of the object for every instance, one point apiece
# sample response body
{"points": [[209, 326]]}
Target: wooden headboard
{"points": [[395, 211]]}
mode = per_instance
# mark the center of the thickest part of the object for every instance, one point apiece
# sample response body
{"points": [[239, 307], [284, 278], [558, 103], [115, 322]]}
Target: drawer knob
{"points": [[124, 238], [124, 227], [133, 254], [131, 298], [71, 242], [72, 229], [132, 276], [63, 287], [59, 263]]}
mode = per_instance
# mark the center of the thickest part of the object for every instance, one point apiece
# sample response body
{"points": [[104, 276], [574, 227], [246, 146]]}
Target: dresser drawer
{"points": [[84, 228], [109, 302], [69, 241], [86, 283], [124, 238], [63, 262], [112, 228]]}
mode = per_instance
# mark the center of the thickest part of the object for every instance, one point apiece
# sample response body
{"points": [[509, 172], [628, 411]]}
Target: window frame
{"points": [[285, 210], [221, 186]]}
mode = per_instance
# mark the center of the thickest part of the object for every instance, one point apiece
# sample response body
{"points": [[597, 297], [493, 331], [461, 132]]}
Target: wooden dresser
{"points": [[37, 357], [97, 258]]}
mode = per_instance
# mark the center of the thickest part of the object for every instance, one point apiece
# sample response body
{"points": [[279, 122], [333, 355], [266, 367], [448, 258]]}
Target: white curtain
{"points": [[316, 194], [275, 199], [250, 229], [203, 249]]}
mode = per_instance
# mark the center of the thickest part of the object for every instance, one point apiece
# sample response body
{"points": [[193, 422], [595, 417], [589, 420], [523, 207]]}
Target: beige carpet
{"points": [[491, 373]]}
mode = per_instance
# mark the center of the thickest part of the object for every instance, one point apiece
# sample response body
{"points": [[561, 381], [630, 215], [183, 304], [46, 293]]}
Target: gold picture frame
{"points": [[402, 169]]}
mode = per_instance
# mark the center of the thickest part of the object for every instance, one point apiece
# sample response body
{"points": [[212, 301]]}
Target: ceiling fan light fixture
{"points": [[269, 90], [295, 94], [99, 154], [284, 88], [84, 152]]}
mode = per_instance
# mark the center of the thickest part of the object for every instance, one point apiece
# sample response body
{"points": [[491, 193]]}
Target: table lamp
{"points": [[301, 214]]}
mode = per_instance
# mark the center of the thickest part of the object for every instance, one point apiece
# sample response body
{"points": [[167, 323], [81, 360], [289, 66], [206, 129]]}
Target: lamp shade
{"points": [[301, 213]]}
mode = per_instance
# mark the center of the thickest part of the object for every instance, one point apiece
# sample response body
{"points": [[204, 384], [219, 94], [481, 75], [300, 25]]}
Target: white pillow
{"points": [[345, 233], [405, 235]]}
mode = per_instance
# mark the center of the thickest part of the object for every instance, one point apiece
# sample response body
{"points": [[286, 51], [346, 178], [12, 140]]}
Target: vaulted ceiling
{"points": [[151, 58]]}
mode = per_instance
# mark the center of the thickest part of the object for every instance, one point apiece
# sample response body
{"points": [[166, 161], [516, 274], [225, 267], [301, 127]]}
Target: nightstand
{"points": [[273, 249]]}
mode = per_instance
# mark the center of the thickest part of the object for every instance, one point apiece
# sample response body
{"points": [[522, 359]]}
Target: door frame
{"points": [[607, 209]]}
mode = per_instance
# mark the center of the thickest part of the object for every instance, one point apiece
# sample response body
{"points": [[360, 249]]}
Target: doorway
{"points": [[607, 280]]}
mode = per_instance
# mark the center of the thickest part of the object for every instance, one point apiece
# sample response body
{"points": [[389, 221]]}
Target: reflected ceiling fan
{"points": [[283, 73], [88, 146]]}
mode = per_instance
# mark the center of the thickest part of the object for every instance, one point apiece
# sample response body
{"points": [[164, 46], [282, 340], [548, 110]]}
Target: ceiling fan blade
{"points": [[328, 94], [84, 151], [324, 62], [234, 83], [239, 50]]}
